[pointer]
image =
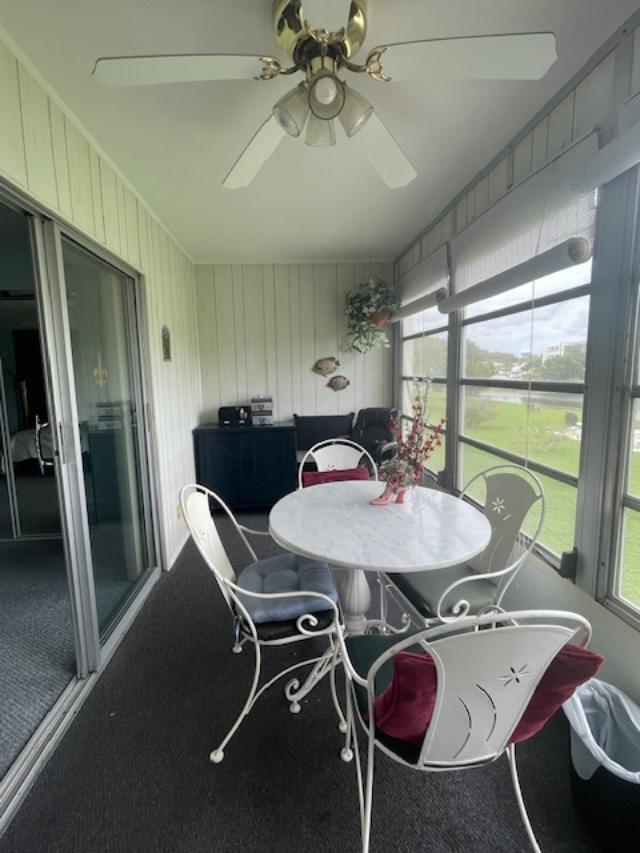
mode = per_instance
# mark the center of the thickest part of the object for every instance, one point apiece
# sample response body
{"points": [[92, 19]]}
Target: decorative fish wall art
{"points": [[325, 366], [338, 383]]}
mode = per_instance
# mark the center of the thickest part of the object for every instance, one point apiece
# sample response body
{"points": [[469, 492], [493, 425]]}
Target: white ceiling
{"points": [[176, 143]]}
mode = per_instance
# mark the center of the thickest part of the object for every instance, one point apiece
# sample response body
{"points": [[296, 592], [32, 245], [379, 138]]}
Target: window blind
{"points": [[431, 274], [574, 251], [616, 158], [544, 212], [436, 297]]}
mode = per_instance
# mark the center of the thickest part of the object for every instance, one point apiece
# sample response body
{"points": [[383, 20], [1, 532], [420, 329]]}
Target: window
{"points": [[626, 577], [424, 355], [522, 390], [513, 372]]}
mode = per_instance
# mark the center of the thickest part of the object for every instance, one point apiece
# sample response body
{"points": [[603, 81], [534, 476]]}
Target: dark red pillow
{"points": [[405, 708], [570, 668], [315, 478]]}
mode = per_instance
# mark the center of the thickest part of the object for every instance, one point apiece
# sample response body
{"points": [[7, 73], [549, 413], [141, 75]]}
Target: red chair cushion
{"points": [[315, 478], [570, 668], [405, 708]]}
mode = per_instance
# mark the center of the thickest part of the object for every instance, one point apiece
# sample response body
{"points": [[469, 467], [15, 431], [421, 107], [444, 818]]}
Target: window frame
{"points": [[628, 370], [435, 380], [544, 386], [615, 303]]}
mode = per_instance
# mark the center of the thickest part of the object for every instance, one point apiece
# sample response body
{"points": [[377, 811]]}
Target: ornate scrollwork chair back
{"points": [[306, 609], [337, 454], [197, 515], [512, 499], [485, 681]]}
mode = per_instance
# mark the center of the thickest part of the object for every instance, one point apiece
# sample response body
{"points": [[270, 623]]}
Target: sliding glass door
{"points": [[101, 307], [37, 640], [92, 313], [77, 535]]}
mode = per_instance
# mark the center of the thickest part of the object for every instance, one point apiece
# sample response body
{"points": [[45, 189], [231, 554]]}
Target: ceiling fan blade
{"points": [[505, 57], [330, 15], [255, 155], [181, 68], [385, 155]]}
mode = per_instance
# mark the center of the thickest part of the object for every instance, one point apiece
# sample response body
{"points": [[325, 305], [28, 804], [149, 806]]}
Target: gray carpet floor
{"points": [[36, 638], [132, 774], [37, 502], [37, 658]]}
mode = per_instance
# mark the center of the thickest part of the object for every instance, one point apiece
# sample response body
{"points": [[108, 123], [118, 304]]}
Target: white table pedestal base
{"points": [[355, 596]]}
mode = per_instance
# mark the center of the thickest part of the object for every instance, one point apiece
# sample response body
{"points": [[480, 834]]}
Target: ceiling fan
{"points": [[321, 55]]}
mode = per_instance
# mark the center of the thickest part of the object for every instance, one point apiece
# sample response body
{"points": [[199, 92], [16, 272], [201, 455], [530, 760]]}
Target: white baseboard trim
{"points": [[178, 551]]}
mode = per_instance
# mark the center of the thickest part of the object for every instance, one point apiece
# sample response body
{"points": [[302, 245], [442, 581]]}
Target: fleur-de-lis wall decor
{"points": [[100, 373]]}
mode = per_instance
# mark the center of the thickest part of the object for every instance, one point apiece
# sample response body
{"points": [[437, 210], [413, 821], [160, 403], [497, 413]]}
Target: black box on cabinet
{"points": [[234, 416]]}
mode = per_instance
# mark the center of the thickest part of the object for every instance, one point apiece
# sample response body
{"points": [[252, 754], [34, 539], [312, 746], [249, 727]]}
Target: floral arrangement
{"points": [[415, 445], [369, 308]]}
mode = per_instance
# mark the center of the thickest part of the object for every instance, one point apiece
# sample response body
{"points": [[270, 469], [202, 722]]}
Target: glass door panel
{"points": [[106, 366]]}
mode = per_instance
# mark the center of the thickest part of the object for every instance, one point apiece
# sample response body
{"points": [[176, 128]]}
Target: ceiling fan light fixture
{"points": [[326, 95], [292, 110], [320, 132], [356, 112]]}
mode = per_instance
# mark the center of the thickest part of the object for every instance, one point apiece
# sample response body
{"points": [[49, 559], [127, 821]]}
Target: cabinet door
{"points": [[272, 457], [219, 465]]}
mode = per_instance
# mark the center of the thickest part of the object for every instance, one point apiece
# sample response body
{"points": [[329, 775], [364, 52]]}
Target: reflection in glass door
{"points": [[37, 650], [101, 307], [7, 481]]}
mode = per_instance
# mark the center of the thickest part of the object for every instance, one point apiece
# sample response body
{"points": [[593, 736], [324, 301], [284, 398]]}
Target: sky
{"points": [[564, 322]]}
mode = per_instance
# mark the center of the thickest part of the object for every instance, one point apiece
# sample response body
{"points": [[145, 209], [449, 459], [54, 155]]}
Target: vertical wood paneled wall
{"points": [[262, 327], [44, 152]]}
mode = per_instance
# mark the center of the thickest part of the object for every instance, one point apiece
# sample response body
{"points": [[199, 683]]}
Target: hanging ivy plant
{"points": [[369, 308]]}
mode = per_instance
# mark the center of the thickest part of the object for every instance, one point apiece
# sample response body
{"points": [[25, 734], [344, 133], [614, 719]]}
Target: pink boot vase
{"points": [[387, 497]]}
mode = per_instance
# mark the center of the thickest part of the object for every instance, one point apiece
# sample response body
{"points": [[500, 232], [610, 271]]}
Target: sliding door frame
{"points": [[91, 657], [46, 239], [53, 254], [66, 434]]}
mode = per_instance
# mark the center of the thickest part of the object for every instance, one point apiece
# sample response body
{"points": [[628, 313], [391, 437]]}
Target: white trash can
{"points": [[605, 763]]}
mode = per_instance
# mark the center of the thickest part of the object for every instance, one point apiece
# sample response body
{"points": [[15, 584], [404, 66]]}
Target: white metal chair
{"points": [[305, 614], [336, 454], [513, 499], [485, 679]]}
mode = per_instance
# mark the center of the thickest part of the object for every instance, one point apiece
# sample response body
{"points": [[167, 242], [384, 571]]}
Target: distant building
{"points": [[553, 352]]}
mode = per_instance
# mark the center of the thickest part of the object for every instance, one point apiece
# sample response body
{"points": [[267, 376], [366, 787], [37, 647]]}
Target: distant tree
{"points": [[482, 363], [533, 367]]}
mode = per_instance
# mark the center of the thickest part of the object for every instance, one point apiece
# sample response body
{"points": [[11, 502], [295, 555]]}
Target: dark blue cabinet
{"points": [[246, 466]]}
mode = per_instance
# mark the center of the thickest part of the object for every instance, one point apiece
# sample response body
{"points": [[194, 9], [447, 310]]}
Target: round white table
{"points": [[335, 523]]}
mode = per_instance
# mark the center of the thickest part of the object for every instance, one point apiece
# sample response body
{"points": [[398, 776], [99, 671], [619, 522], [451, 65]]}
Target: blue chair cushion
{"points": [[285, 573]]}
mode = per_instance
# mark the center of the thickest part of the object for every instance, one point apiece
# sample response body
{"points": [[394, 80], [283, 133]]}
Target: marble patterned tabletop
{"points": [[335, 522]]}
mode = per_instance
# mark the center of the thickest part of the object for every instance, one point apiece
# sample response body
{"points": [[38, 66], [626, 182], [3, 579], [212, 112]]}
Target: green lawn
{"points": [[548, 434]]}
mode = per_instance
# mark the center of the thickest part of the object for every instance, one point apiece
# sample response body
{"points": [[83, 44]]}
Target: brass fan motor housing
{"points": [[292, 31]]}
